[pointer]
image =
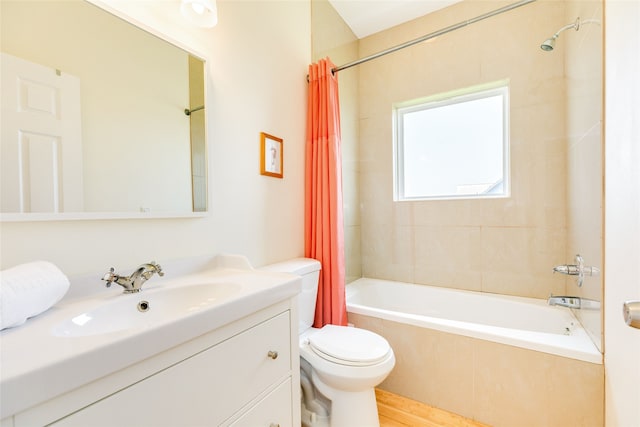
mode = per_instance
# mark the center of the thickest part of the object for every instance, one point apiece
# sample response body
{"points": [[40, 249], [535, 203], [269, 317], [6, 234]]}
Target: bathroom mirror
{"points": [[108, 122]]}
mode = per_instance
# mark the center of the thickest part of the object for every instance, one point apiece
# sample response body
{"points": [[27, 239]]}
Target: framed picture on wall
{"points": [[271, 155]]}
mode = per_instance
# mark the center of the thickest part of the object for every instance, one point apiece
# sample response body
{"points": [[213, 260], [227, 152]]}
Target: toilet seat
{"points": [[349, 346]]}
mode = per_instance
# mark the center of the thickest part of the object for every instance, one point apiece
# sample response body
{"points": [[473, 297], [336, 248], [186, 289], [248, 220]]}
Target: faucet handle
{"points": [[109, 277], [146, 271], [579, 269], [571, 270], [158, 268]]}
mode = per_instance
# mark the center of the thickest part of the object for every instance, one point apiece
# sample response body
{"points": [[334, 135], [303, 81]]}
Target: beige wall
{"points": [[252, 87], [332, 38], [506, 246], [583, 54]]}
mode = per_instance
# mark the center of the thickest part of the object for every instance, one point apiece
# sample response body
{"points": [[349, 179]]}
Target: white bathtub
{"points": [[522, 322]]}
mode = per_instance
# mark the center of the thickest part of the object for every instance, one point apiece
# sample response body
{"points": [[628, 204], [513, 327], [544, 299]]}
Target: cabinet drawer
{"points": [[204, 389], [274, 410]]}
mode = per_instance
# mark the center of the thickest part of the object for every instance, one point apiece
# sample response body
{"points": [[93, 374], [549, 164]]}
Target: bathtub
{"points": [[501, 360], [516, 321]]}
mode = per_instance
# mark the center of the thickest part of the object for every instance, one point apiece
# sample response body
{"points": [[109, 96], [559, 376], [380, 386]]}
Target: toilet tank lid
{"points": [[299, 266]]}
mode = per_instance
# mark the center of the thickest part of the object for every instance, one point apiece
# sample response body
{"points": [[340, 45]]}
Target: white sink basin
{"points": [[145, 309]]}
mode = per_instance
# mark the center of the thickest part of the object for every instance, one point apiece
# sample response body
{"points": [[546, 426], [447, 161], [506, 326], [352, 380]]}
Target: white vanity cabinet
{"points": [[244, 374]]}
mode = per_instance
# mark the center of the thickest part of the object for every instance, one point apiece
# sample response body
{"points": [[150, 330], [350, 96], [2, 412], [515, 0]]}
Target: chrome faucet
{"points": [[577, 269], [565, 301], [134, 282]]}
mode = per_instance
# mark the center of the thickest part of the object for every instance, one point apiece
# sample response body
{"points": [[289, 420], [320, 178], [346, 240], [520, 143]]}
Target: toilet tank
{"points": [[309, 270]]}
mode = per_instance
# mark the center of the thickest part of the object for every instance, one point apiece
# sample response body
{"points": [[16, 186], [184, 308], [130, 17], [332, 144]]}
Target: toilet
{"points": [[339, 365]]}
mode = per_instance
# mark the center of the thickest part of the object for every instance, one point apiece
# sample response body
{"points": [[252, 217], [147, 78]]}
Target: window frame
{"points": [[500, 88]]}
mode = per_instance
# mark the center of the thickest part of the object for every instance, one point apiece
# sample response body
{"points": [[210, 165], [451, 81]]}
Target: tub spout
{"points": [[565, 301]]}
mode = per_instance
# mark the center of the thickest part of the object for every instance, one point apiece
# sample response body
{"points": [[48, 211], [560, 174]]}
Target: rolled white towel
{"points": [[27, 290]]}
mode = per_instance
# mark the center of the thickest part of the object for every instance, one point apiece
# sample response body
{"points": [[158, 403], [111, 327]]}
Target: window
{"points": [[453, 145]]}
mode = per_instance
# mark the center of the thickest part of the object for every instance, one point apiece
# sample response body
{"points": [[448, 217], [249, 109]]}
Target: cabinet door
{"points": [[203, 390], [274, 410]]}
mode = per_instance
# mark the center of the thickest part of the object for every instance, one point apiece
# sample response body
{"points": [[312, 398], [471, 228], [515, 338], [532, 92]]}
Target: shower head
{"points": [[550, 43]]}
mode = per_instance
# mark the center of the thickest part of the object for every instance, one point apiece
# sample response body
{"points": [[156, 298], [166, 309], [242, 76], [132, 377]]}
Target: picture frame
{"points": [[271, 155]]}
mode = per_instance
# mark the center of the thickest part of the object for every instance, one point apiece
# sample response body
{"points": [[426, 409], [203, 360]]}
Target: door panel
{"points": [[622, 210], [41, 139]]}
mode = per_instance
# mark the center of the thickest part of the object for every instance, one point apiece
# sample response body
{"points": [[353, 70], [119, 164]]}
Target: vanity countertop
{"points": [[38, 365]]}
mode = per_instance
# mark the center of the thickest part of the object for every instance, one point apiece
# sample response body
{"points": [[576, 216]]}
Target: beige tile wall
{"points": [[583, 57], [508, 245], [496, 384]]}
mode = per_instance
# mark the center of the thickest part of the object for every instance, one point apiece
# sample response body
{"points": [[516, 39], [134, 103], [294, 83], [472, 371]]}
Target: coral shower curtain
{"points": [[324, 231]]}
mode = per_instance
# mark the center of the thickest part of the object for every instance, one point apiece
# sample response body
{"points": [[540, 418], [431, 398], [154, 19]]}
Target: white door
{"points": [[622, 210], [41, 153]]}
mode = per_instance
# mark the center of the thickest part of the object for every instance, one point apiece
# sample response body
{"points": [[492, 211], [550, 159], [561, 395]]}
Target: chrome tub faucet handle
{"points": [[577, 269]]}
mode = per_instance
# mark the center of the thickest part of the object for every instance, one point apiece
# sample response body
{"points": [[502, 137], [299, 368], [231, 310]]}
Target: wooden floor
{"points": [[398, 411]]}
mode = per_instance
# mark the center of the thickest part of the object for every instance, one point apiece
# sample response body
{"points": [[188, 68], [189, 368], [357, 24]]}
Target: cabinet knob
{"points": [[274, 425], [272, 355]]}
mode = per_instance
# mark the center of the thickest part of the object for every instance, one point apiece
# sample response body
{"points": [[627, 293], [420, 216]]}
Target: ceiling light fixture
{"points": [[202, 13]]}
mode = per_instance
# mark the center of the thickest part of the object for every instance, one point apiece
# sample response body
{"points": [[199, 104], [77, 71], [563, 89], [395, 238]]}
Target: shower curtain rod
{"points": [[430, 35]]}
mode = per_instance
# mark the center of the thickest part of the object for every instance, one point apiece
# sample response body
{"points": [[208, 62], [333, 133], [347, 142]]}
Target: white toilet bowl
{"points": [[346, 365]]}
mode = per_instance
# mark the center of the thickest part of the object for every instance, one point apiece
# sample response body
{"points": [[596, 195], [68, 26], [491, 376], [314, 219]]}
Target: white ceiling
{"points": [[366, 17]]}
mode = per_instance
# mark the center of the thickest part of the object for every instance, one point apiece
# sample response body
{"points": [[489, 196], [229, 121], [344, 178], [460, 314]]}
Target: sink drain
{"points": [[143, 306]]}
